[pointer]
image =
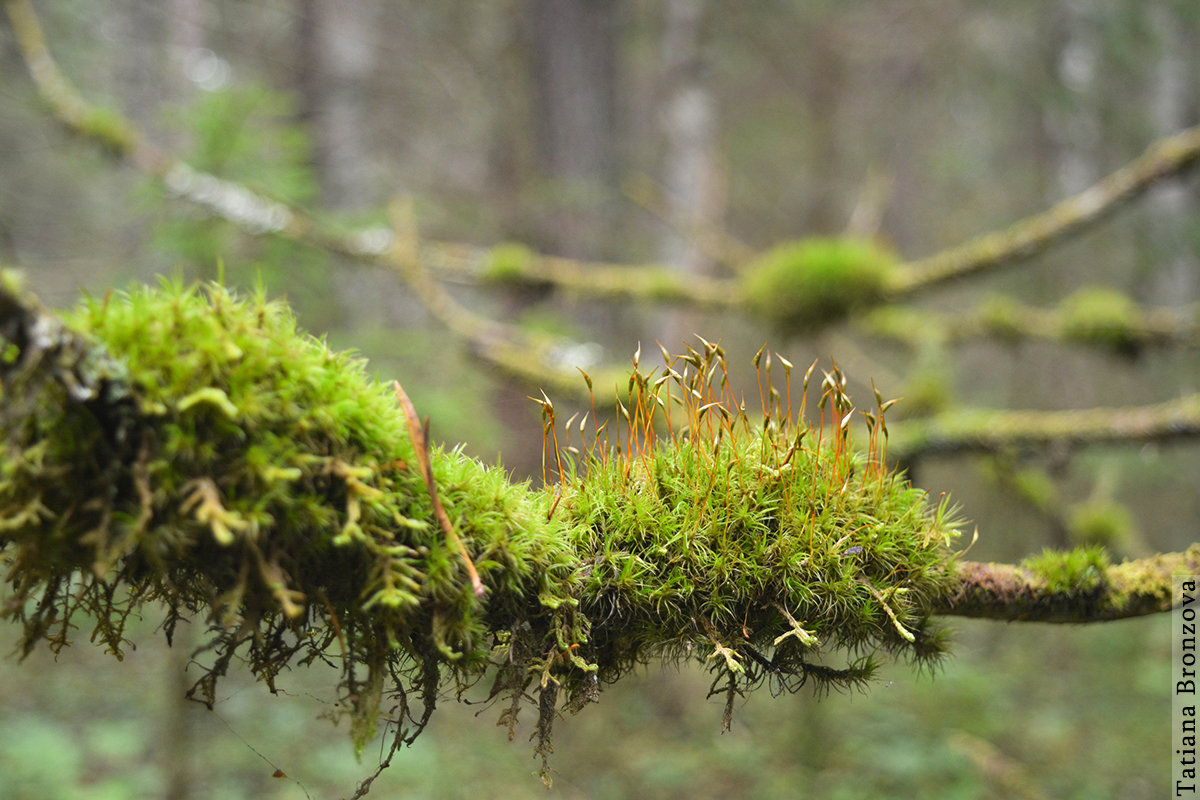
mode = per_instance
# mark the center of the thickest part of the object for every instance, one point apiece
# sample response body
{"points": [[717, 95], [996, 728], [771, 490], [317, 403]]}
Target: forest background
{"points": [[679, 133]]}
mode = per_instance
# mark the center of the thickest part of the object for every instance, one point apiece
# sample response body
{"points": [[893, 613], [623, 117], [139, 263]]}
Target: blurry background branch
{"points": [[517, 352], [963, 430], [516, 264], [1027, 237], [1101, 318]]}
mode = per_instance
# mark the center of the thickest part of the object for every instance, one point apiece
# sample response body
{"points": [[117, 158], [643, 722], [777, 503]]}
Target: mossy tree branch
{"points": [[1100, 318], [988, 431], [88, 374], [1165, 157], [1050, 589]]}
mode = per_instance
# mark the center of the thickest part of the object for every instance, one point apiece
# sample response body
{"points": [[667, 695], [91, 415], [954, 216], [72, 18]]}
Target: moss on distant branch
{"points": [[1081, 570], [1104, 523], [810, 283], [1074, 586], [1102, 316], [509, 261]]}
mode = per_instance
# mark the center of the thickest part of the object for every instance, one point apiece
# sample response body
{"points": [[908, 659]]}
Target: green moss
{"points": [[1001, 316], [684, 559], [926, 392], [238, 469], [268, 480], [1031, 485], [1102, 317], [813, 282], [1104, 524], [661, 285], [508, 262], [1035, 487], [109, 128], [1071, 572], [755, 547], [897, 322]]}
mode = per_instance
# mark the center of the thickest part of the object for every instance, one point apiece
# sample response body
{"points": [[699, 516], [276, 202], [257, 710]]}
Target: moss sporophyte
{"points": [[236, 469]]}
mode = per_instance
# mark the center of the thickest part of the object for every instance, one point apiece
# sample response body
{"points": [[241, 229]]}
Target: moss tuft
{"points": [[109, 128], [761, 548], [269, 483], [1102, 317], [662, 285], [1070, 572], [813, 282], [1001, 317], [233, 467], [507, 262], [927, 391], [1104, 524]]}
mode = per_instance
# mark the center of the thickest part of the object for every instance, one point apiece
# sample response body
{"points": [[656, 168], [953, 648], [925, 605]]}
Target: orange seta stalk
{"points": [[421, 446]]}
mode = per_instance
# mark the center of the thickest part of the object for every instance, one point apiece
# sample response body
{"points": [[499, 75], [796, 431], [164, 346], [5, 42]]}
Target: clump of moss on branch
{"points": [[806, 284], [1101, 316], [760, 548], [265, 483], [269, 485], [509, 261], [1071, 572]]}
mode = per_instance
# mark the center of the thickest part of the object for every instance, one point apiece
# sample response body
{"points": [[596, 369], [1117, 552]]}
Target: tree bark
{"points": [[690, 173]]}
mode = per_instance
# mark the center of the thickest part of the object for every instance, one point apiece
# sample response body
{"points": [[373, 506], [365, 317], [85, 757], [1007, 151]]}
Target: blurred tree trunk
{"points": [[825, 87], [185, 37], [574, 76], [177, 732], [336, 61], [140, 36], [1071, 123], [572, 63], [690, 170], [336, 57], [1170, 273]]}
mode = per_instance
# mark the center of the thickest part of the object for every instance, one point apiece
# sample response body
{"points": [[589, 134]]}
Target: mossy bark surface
{"points": [[1037, 591]]}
